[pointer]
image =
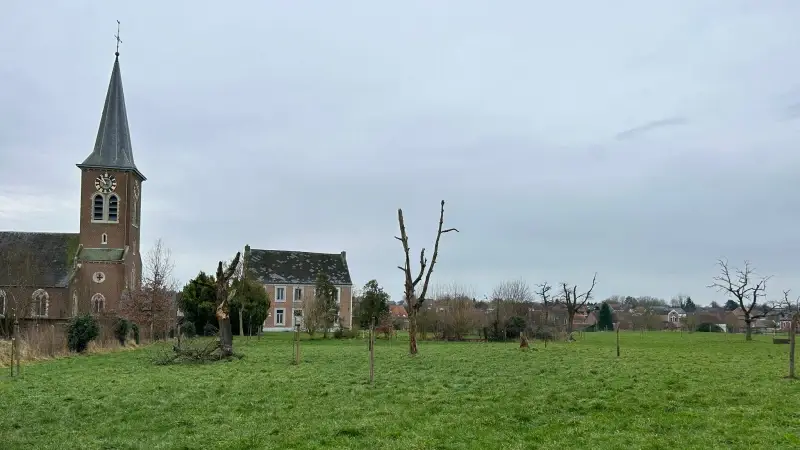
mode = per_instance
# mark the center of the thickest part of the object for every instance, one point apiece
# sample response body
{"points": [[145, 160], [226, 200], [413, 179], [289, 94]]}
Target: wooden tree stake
{"points": [[617, 339], [372, 352], [297, 344]]}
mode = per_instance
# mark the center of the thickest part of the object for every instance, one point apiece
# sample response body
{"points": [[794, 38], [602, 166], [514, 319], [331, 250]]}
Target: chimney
{"points": [[344, 257]]}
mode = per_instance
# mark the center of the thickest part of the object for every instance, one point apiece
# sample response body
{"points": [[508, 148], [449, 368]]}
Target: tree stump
{"points": [[523, 341]]}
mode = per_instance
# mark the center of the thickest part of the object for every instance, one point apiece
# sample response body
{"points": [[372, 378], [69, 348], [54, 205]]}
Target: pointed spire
{"points": [[112, 149]]}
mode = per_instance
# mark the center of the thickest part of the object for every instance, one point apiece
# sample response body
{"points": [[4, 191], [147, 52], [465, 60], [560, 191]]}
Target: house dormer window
{"points": [[113, 208]]}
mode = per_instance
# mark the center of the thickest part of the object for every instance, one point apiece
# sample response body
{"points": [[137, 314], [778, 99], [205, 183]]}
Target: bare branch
{"points": [[412, 301]]}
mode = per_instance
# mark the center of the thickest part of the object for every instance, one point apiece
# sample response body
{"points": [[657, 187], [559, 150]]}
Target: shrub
{"points": [[121, 328], [210, 330], [344, 333], [135, 330], [709, 328], [81, 330], [515, 325], [188, 330]]}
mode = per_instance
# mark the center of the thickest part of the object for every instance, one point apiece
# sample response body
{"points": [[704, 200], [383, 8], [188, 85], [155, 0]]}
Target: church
{"points": [[55, 276]]}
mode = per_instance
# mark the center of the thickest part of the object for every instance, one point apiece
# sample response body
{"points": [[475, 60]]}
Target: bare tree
{"points": [[514, 291], [18, 273], [746, 288], [413, 302], [792, 308], [573, 301], [543, 291], [313, 313], [458, 316], [152, 304], [224, 296]]}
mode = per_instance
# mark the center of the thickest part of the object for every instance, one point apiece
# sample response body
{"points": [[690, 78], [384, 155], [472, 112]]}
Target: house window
{"points": [[298, 294], [279, 319], [280, 294], [113, 208], [336, 295], [40, 303], [98, 205], [104, 239], [2, 303], [98, 303]]}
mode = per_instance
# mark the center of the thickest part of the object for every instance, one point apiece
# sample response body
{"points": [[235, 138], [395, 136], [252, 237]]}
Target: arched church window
{"points": [[40, 303], [98, 303], [2, 303], [113, 208], [98, 205], [104, 239]]}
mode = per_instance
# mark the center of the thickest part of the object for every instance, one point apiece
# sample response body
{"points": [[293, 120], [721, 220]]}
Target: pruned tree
{"points": [[573, 301], [224, 296], [152, 303], [543, 291], [414, 300], [792, 309], [746, 287]]}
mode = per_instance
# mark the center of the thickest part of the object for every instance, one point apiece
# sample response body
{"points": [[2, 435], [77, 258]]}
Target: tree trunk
{"points": [[412, 332], [241, 323], [748, 330], [225, 337], [570, 318], [792, 336]]}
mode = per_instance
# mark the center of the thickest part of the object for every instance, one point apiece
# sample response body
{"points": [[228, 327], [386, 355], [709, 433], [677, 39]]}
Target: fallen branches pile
{"points": [[193, 351]]}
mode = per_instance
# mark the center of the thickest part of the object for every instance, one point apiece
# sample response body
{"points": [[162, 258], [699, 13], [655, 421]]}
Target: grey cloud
{"points": [[649, 126]]}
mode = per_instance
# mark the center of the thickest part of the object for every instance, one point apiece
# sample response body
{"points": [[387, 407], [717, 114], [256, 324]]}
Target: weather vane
{"points": [[119, 41]]}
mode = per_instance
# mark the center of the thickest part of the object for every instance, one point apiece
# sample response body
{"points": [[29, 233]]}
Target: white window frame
{"points": [[37, 296], [294, 294], [277, 300], [338, 295], [3, 300], [282, 323], [108, 208], [104, 239]]}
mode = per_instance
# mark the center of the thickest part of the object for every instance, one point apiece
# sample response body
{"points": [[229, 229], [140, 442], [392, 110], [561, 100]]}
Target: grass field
{"points": [[667, 390]]}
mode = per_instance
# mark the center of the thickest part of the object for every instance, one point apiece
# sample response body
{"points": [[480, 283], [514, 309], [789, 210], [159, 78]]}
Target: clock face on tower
{"points": [[105, 183]]}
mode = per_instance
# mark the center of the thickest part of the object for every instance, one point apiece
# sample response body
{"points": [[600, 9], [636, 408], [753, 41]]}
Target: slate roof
{"points": [[101, 254], [282, 266], [47, 258], [112, 148]]}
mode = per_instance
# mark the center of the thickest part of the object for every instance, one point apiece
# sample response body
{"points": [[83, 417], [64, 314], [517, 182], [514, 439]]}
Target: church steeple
{"points": [[112, 148]]}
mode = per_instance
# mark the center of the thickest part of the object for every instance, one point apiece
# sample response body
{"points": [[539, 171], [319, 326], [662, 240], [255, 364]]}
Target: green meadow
{"points": [[667, 390]]}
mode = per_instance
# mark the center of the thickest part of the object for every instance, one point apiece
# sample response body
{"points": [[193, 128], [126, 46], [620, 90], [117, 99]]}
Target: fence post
{"points": [[617, 327], [372, 352], [297, 344], [16, 348]]}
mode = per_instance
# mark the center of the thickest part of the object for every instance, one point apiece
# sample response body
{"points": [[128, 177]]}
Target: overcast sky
{"points": [[638, 139]]}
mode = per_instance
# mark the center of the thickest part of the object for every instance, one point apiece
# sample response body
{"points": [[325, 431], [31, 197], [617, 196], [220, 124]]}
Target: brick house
{"points": [[54, 276], [290, 276]]}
